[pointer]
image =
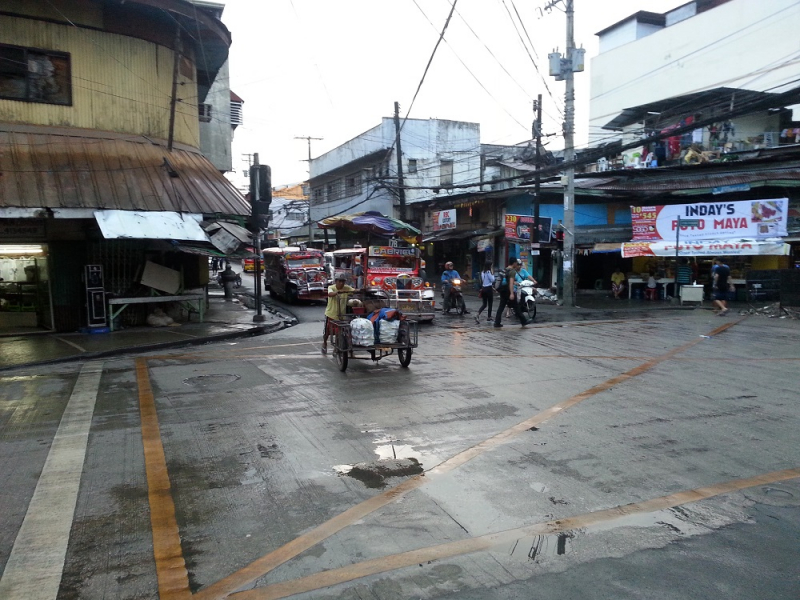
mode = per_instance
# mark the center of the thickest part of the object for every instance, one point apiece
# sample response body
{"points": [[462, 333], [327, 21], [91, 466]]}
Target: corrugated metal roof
{"points": [[60, 168]]}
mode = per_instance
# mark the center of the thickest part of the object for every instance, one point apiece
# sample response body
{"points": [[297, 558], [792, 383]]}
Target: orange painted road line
{"points": [[493, 540], [266, 563], [173, 578]]}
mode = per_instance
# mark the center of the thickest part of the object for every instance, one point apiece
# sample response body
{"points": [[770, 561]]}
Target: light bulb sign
{"points": [[746, 219]]}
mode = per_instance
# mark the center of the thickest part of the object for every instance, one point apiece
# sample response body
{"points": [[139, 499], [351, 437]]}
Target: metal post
{"points": [[537, 138], [259, 316], [675, 293]]}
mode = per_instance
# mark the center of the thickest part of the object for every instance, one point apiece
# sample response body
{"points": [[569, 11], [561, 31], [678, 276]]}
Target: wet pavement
{"points": [[642, 453]]}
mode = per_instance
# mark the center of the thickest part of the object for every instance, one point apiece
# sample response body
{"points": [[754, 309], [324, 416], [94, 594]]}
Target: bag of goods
{"points": [[362, 332], [388, 331]]}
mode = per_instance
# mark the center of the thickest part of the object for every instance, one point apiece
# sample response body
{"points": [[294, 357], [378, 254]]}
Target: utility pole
{"points": [[400, 182], [174, 95], [537, 138], [308, 138], [565, 69], [255, 199]]}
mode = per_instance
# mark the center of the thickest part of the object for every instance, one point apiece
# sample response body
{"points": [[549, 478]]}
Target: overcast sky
{"points": [[332, 69]]}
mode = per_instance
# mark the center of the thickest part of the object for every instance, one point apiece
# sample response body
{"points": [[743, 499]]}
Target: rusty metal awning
{"points": [[60, 168]]}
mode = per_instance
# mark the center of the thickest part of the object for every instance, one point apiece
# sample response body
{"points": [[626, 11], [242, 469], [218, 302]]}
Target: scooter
{"points": [[455, 299], [527, 298]]}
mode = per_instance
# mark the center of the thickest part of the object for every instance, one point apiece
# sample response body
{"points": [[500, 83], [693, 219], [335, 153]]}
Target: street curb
{"points": [[251, 332]]}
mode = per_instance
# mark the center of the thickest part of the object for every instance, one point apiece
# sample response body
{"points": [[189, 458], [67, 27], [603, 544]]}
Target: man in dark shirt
{"points": [[720, 286], [508, 296]]}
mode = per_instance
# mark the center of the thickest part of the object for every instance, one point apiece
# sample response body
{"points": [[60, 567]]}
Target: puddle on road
{"points": [[397, 451]]}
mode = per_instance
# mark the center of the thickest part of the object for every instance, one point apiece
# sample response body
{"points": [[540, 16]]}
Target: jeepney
{"points": [[295, 273], [390, 272]]}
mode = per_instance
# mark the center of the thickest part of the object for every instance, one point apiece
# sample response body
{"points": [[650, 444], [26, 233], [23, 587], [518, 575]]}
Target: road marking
{"points": [[487, 542], [277, 557], [74, 345], [173, 578], [36, 563]]}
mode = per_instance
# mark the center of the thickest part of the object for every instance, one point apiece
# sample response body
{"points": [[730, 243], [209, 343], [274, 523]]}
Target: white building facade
{"points": [[438, 157], [699, 46]]}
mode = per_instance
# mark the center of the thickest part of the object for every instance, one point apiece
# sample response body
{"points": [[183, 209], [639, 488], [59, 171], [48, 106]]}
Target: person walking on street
{"points": [[508, 296], [720, 285], [337, 307], [487, 291], [228, 277]]}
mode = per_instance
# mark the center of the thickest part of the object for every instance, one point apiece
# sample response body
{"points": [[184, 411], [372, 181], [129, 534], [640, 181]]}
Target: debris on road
{"points": [[374, 474], [772, 311]]}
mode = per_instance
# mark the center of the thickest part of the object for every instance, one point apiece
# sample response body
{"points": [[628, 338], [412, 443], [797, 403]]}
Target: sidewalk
{"points": [[230, 320], [223, 320]]}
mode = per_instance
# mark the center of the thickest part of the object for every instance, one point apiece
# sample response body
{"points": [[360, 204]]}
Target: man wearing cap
{"points": [[448, 275], [337, 307]]}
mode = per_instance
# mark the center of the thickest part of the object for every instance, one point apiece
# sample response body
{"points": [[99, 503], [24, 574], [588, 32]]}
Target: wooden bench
{"points": [[192, 302]]}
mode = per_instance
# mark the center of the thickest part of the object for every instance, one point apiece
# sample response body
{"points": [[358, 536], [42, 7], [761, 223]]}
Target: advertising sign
{"points": [[706, 248], [746, 219], [444, 219], [518, 228]]}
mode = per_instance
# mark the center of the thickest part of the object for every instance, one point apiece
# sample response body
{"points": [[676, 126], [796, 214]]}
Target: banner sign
{"points": [[746, 219], [706, 248], [444, 219], [484, 245], [391, 251], [518, 228]]}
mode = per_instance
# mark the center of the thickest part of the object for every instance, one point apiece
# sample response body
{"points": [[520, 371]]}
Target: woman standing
{"points": [[487, 291]]}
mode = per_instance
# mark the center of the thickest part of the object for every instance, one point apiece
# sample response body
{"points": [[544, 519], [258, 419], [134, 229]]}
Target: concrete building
{"points": [[700, 46], [101, 158]]}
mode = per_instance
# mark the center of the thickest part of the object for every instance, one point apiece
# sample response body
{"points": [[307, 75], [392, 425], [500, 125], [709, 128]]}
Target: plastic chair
{"points": [[650, 293]]}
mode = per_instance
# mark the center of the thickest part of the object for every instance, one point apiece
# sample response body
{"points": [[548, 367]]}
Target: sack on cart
{"points": [[387, 324], [362, 332]]}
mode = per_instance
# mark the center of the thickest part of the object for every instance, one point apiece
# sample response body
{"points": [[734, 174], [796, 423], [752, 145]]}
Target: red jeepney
{"points": [[390, 272], [295, 273]]}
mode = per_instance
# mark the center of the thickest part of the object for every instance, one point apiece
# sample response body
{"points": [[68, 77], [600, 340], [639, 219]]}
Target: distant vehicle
{"points": [[249, 265], [388, 272], [295, 273]]}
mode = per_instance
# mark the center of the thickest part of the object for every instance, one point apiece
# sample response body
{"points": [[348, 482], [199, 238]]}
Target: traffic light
{"points": [[260, 196]]}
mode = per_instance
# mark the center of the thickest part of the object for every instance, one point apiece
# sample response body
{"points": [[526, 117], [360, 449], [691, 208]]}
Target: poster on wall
{"points": [[746, 219], [444, 219], [518, 228]]}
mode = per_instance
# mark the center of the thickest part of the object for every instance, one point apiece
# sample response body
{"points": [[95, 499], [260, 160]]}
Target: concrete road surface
{"points": [[627, 459]]}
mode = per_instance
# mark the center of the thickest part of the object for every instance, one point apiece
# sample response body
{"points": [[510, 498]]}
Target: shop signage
{"points": [[747, 219], [391, 251], [444, 219], [22, 230], [706, 248], [518, 228], [727, 189], [484, 245]]}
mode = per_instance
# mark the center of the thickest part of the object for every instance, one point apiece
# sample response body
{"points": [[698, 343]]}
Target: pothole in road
{"points": [[774, 495], [375, 473], [211, 379]]}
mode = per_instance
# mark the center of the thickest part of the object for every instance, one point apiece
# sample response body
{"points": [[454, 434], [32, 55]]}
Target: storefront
{"points": [[749, 235], [24, 288]]}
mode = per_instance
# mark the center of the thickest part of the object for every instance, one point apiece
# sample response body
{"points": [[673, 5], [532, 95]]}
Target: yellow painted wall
{"points": [[763, 263], [119, 83]]}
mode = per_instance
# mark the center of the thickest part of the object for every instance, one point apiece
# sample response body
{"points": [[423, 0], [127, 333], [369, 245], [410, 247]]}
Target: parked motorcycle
{"points": [[455, 299], [527, 298]]}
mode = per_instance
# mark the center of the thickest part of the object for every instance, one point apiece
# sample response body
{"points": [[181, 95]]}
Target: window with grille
{"points": [[204, 113], [32, 75], [412, 165], [353, 185]]}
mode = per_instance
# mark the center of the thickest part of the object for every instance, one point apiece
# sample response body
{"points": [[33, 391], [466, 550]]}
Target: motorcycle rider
{"points": [[448, 275]]}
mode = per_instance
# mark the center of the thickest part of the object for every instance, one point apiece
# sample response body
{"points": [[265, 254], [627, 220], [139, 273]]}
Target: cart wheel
{"points": [[341, 360], [461, 306], [404, 354], [340, 352]]}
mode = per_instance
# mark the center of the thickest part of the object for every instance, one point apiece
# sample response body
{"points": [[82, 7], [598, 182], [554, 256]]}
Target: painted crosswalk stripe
{"points": [[36, 563]]}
